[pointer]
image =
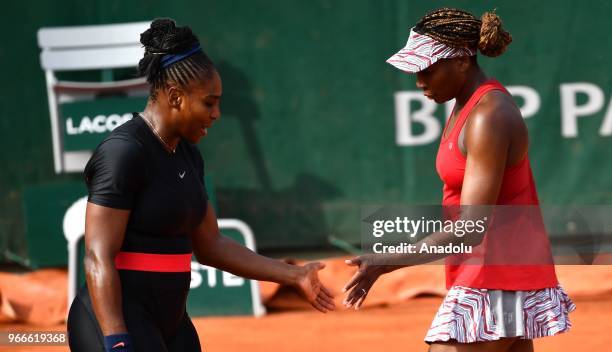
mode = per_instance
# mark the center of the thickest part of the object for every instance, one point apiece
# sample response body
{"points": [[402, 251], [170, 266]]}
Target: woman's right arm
{"points": [[104, 233]]}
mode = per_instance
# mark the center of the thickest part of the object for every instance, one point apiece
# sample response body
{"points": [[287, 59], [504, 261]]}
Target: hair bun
{"points": [[494, 40], [154, 38], [163, 37]]}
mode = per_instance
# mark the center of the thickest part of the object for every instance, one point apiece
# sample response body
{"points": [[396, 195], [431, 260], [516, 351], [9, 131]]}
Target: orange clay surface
{"points": [[395, 317], [400, 327]]}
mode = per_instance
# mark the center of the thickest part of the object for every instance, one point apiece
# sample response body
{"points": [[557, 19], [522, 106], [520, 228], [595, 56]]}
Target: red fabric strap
{"points": [[167, 263]]}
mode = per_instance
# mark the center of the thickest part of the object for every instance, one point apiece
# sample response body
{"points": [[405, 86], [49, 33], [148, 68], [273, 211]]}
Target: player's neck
{"points": [[161, 122], [474, 80]]}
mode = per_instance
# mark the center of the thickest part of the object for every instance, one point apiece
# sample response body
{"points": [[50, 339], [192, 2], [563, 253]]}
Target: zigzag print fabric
{"points": [[467, 315], [422, 51], [546, 312]]}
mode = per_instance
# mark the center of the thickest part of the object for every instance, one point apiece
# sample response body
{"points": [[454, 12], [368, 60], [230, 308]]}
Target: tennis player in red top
{"points": [[483, 161]]}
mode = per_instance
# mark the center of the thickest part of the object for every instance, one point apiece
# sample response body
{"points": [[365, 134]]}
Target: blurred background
{"points": [[314, 123], [309, 130]]}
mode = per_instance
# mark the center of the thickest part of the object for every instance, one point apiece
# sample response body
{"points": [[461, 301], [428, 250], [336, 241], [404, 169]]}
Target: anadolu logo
{"points": [[98, 124]]}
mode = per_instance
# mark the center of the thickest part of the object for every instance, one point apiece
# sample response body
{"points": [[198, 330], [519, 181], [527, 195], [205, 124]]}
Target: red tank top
{"points": [[492, 264]]}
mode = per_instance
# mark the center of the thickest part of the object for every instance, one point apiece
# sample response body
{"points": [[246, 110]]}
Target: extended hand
{"points": [[361, 283], [312, 290]]}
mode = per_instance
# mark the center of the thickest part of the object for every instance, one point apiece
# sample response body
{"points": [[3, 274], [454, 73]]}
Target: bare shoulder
{"points": [[495, 113]]}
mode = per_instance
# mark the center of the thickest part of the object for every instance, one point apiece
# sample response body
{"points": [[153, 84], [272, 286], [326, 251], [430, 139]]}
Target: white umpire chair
{"points": [[98, 47]]}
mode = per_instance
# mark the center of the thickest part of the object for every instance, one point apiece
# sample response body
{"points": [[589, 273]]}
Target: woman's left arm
{"points": [[213, 249]]}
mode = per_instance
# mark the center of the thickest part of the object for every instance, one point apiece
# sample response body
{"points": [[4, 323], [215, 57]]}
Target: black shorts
{"points": [[154, 323]]}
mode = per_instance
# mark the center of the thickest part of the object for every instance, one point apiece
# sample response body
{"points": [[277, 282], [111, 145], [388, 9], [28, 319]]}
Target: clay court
{"points": [[395, 317]]}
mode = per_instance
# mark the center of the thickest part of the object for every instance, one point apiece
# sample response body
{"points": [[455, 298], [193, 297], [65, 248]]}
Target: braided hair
{"points": [[165, 38], [461, 29]]}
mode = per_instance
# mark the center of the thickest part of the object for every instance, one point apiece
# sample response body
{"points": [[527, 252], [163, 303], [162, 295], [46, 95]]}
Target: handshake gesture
{"points": [[360, 284], [309, 286], [357, 287]]}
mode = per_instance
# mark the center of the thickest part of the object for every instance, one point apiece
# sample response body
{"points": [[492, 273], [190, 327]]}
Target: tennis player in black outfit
{"points": [[148, 211]]}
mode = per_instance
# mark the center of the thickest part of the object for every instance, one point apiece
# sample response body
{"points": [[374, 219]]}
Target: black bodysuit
{"points": [[165, 192]]}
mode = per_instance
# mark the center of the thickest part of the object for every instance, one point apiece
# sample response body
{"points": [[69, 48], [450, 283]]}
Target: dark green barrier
{"points": [[44, 209]]}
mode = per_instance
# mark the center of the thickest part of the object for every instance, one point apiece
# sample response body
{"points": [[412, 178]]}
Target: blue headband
{"points": [[169, 59]]}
